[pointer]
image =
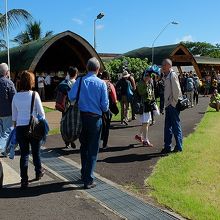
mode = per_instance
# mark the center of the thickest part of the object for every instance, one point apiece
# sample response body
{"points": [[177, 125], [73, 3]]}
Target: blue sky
{"points": [[127, 24]]}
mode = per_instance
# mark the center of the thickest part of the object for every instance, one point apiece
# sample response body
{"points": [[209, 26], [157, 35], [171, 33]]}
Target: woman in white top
{"points": [[21, 105]]}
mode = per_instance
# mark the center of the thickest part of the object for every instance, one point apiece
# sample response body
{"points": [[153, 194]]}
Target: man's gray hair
{"points": [[168, 61], [3, 69], [93, 64]]}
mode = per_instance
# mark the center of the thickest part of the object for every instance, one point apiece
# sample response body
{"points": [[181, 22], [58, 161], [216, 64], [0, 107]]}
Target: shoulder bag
{"points": [[36, 127], [71, 125]]}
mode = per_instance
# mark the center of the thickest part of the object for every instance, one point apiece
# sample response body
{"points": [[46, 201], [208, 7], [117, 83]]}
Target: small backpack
{"points": [[61, 95], [189, 85], [112, 105]]}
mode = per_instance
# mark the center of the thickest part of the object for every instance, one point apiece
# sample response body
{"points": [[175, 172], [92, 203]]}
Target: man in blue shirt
{"points": [[93, 101], [7, 91]]}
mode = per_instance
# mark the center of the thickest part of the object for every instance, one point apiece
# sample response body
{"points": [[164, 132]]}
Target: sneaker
{"points": [[4, 154], [89, 185], [67, 145], [40, 175], [104, 146], [73, 145], [152, 123], [147, 144], [176, 150], [125, 122], [138, 138], [165, 151], [24, 184]]}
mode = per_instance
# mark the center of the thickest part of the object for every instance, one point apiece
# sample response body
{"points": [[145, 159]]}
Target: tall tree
{"points": [[135, 65], [32, 32], [203, 49]]}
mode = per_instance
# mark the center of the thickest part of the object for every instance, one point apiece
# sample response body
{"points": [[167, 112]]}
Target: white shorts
{"points": [[146, 117]]}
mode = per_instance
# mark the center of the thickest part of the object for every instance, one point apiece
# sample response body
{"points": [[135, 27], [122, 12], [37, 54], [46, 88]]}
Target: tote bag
{"points": [[71, 125]]}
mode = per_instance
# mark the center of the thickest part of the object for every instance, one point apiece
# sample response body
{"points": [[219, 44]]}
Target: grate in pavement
{"points": [[117, 200]]}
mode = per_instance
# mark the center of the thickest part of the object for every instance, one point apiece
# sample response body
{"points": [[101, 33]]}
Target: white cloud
{"points": [[185, 38], [77, 21], [99, 27]]}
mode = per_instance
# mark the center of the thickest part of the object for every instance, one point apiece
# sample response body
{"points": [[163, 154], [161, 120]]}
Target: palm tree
{"points": [[15, 17], [33, 32]]}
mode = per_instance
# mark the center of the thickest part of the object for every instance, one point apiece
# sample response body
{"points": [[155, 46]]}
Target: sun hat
{"points": [[125, 74], [153, 69]]}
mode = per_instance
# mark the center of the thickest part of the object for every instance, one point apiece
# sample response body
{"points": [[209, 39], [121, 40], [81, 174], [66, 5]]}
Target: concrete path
{"points": [[51, 198], [125, 162]]}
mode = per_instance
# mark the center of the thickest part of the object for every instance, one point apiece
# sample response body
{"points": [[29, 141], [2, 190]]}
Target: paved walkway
{"points": [[125, 156], [52, 198], [125, 162]]}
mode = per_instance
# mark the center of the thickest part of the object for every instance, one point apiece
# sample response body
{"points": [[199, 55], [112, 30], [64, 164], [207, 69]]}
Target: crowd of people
{"points": [[97, 103]]}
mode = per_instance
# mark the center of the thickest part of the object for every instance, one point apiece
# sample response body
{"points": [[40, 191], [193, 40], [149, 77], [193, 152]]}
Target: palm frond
{"points": [[34, 30], [3, 45], [15, 17], [49, 33], [22, 38]]}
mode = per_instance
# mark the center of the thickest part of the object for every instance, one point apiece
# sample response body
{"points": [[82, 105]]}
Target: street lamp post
{"points": [[99, 16], [164, 28], [7, 33]]}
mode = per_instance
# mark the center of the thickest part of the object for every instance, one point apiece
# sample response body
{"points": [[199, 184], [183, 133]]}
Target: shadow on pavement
{"points": [[119, 126], [63, 151], [38, 190], [131, 158]]}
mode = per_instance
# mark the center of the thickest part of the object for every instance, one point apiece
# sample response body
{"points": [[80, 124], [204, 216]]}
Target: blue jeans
{"points": [[172, 127], [5, 130], [24, 142], [89, 139]]}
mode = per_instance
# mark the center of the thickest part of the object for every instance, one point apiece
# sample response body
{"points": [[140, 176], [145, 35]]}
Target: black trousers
{"points": [[106, 120]]}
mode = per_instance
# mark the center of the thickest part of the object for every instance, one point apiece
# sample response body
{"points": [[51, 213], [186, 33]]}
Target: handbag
{"points": [[71, 125], [138, 104], [155, 108], [182, 104], [36, 126], [113, 106]]}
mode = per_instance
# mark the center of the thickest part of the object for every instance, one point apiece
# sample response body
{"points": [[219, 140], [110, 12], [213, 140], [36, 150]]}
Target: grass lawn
{"points": [[46, 109], [54, 131], [189, 182], [118, 116]]}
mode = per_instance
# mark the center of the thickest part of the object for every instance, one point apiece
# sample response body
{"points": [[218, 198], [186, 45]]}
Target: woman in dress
{"points": [[146, 93], [21, 107]]}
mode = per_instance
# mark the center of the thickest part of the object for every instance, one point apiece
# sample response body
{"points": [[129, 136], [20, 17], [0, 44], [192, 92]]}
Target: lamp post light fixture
{"points": [[164, 28], [99, 16]]}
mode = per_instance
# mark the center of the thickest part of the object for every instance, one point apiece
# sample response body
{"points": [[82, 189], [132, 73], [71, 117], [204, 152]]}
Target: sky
{"points": [[127, 24]]}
